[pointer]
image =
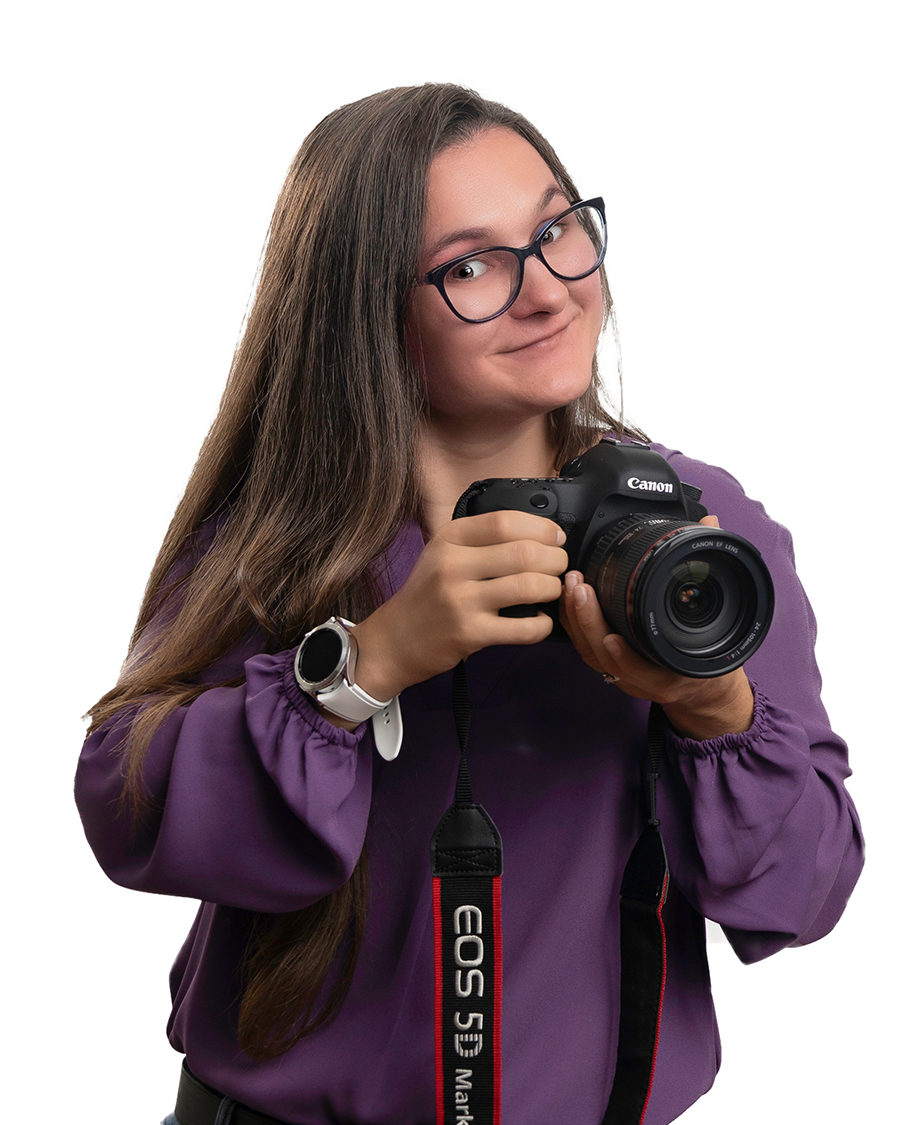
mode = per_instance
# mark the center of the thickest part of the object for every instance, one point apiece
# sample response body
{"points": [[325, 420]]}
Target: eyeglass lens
{"points": [[481, 286]]}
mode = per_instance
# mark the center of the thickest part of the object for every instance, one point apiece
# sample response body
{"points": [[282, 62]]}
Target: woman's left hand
{"points": [[698, 709]]}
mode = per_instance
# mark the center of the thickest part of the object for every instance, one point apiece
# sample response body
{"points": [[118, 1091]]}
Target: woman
{"points": [[369, 390]]}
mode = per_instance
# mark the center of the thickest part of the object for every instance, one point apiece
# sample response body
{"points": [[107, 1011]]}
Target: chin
{"points": [[566, 392]]}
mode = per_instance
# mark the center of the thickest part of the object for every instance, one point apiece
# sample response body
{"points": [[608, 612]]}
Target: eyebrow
{"points": [[473, 234]]}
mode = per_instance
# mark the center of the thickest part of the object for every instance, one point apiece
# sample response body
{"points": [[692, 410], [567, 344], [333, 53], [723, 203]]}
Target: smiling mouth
{"points": [[542, 341]]}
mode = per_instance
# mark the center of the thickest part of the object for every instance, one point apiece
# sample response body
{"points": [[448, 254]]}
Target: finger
{"points": [[617, 654], [589, 617], [521, 630], [645, 678], [585, 622], [711, 521], [567, 615], [523, 556], [502, 527], [528, 588], [607, 651], [566, 609]]}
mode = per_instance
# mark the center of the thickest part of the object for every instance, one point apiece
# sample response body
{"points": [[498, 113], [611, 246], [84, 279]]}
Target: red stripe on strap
{"points": [[438, 999], [498, 1001]]}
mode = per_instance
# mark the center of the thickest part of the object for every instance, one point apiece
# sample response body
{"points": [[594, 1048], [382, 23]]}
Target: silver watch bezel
{"points": [[345, 663]]}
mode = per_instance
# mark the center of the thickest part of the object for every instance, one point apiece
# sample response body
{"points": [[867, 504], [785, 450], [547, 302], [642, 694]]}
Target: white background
{"points": [[747, 156]]}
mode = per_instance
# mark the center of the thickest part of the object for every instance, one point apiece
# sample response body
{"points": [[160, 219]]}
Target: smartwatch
{"points": [[324, 668]]}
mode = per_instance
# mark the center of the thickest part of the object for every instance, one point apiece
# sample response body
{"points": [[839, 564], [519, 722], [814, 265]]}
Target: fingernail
{"points": [[580, 596], [560, 537], [571, 582]]}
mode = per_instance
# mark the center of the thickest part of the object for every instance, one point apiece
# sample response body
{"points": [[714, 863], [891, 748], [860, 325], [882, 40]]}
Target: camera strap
{"points": [[466, 865], [642, 941]]}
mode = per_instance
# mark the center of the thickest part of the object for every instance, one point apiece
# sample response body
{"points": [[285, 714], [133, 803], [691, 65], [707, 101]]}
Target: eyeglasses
{"points": [[481, 286]]}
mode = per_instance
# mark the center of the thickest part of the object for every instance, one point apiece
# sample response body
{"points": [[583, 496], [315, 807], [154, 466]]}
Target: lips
{"points": [[546, 340]]}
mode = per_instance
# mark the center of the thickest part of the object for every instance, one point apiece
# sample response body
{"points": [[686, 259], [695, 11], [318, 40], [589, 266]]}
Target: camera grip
{"points": [[520, 611], [518, 495]]}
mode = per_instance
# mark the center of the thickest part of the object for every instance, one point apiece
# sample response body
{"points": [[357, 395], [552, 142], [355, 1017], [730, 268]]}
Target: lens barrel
{"points": [[695, 599]]}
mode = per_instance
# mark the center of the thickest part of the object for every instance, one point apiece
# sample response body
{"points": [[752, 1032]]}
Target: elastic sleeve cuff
{"points": [[310, 714], [713, 747]]}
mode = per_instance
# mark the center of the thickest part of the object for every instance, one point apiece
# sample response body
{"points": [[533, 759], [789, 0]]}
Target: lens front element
{"points": [[706, 604]]}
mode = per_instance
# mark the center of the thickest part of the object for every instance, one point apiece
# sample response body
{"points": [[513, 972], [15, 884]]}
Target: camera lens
{"points": [[694, 599], [705, 603], [694, 603]]}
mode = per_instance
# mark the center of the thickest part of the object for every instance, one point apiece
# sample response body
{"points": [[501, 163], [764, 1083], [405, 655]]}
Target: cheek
{"points": [[429, 352], [590, 297], [442, 348], [423, 331]]}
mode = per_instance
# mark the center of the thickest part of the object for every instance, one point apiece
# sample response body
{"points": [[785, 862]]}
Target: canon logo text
{"points": [[649, 485]]}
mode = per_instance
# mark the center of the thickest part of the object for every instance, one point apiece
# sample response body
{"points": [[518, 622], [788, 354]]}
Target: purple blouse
{"points": [[265, 806]]}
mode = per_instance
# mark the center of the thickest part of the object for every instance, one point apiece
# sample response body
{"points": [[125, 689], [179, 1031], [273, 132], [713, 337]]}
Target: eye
{"points": [[469, 270], [553, 233]]}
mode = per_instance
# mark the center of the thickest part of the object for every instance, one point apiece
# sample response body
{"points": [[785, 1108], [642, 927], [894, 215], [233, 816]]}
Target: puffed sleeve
{"points": [[257, 801], [765, 838]]}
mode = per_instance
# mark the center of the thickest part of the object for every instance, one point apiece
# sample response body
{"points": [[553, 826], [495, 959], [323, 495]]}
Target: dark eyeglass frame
{"points": [[436, 276]]}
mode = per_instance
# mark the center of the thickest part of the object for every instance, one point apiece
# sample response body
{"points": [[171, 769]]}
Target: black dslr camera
{"points": [[697, 600]]}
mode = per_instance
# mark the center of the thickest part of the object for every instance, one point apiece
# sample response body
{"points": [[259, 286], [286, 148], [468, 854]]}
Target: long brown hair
{"points": [[321, 391]]}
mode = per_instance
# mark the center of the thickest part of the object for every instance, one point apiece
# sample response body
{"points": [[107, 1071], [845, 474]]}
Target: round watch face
{"points": [[321, 655]]}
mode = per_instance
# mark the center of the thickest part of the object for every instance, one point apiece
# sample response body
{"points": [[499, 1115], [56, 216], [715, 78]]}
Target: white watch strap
{"points": [[387, 725], [349, 701]]}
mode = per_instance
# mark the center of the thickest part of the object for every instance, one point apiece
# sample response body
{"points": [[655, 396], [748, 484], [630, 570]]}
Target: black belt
{"points": [[199, 1104]]}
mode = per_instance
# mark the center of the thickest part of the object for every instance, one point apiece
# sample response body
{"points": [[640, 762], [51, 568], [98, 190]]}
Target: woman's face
{"points": [[497, 191]]}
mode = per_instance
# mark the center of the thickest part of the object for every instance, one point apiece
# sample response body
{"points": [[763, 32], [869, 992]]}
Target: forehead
{"points": [[495, 179]]}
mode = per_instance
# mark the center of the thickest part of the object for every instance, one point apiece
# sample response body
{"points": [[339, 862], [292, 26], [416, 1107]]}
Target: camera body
{"points": [[694, 599]]}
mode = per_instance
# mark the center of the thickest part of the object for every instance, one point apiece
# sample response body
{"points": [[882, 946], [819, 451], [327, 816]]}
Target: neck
{"points": [[452, 458]]}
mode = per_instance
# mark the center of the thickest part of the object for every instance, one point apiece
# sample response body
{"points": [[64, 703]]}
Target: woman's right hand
{"points": [[449, 606]]}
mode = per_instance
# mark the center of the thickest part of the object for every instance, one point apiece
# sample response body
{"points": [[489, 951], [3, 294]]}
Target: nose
{"points": [[541, 292]]}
